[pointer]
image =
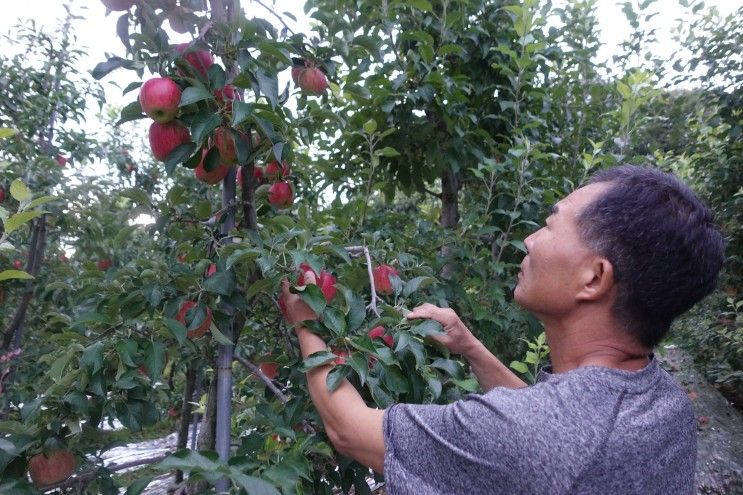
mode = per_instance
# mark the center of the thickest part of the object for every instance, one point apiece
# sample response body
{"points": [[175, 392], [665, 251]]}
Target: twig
{"points": [[373, 304], [281, 19], [269, 383]]}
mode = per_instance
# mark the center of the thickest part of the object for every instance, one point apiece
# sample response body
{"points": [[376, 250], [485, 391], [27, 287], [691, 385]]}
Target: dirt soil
{"points": [[719, 426]]}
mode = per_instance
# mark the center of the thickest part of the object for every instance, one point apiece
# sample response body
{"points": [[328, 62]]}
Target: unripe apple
{"points": [[381, 276], [103, 264], [164, 138], [312, 80], [200, 60], [213, 177], [159, 98], [118, 5], [188, 319], [280, 195], [52, 468], [275, 172]]}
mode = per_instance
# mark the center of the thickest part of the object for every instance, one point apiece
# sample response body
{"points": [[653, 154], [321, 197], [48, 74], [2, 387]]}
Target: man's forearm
{"points": [[489, 370]]}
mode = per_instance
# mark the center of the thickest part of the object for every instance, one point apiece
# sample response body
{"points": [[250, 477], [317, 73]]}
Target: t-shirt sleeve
{"points": [[503, 439]]}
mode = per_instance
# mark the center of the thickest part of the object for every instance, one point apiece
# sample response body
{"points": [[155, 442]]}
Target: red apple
{"points": [[312, 80], [2, 194], [164, 138], [172, 411], [378, 333], [224, 140], [258, 173], [212, 177], [296, 72], [130, 167], [275, 172], [227, 93], [159, 98], [63, 259], [270, 369], [342, 355], [280, 195], [62, 161], [17, 264], [200, 60], [103, 264], [211, 270], [184, 316], [382, 282], [55, 467], [118, 5], [326, 282]]}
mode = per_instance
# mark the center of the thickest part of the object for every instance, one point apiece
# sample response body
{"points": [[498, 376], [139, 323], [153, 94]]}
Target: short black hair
{"points": [[662, 242]]}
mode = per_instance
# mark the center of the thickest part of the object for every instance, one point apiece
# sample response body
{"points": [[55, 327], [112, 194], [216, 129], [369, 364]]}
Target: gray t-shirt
{"points": [[591, 430]]}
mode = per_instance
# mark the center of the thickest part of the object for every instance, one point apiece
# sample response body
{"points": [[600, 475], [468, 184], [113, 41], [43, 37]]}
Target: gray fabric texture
{"points": [[588, 431]]}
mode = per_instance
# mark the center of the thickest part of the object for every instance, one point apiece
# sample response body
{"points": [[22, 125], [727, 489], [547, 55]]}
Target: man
{"points": [[616, 262]]}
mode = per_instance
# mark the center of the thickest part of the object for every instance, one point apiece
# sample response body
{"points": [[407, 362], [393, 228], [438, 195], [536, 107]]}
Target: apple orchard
{"points": [[396, 153]]}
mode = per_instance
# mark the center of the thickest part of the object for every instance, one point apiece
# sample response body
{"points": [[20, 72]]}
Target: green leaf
{"points": [[104, 68], [93, 357], [469, 384], [416, 283], [6, 132], [219, 336], [19, 219], [139, 485], [253, 485], [262, 285], [389, 151], [133, 111], [221, 283], [203, 125], [334, 321], [336, 376], [179, 155], [20, 191], [313, 296], [192, 94], [360, 365], [18, 274], [39, 201], [427, 328], [519, 366], [269, 86], [240, 112], [370, 126], [177, 329], [56, 370], [423, 5], [451, 367], [126, 350], [317, 359]]}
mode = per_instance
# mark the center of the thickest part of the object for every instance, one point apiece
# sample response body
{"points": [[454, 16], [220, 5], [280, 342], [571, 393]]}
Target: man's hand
{"points": [[457, 337], [295, 310]]}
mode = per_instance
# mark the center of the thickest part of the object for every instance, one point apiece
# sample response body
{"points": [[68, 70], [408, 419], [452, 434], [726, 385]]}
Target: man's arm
{"points": [[488, 369], [354, 428]]}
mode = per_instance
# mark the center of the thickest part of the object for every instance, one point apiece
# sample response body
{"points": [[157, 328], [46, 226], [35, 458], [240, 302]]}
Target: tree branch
{"points": [[269, 383], [373, 304]]}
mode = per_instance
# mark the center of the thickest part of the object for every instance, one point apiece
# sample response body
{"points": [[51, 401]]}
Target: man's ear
{"points": [[597, 279]]}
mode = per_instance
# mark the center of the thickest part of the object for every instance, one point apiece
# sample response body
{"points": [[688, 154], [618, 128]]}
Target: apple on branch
{"points": [[164, 138], [159, 98]]}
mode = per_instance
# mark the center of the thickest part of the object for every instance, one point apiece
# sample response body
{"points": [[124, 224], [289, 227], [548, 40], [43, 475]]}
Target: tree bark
{"points": [[449, 213], [186, 411]]}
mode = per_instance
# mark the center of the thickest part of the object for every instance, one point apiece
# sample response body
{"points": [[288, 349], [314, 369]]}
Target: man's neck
{"points": [[598, 342]]}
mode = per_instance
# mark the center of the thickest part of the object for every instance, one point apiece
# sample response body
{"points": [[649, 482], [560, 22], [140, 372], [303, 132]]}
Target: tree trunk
{"points": [[186, 411], [449, 213]]}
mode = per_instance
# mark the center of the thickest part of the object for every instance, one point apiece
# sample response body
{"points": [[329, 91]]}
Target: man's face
{"points": [[554, 270]]}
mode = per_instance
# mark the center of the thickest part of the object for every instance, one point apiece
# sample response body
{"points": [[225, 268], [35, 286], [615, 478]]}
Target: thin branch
{"points": [[269, 383], [373, 304], [281, 19]]}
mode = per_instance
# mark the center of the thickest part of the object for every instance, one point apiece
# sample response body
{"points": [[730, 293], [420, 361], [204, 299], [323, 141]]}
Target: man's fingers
{"points": [[425, 310]]}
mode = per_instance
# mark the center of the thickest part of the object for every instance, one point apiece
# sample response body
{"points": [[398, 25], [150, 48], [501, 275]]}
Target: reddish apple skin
{"points": [[164, 138], [200, 60], [326, 280], [342, 355], [270, 369], [201, 329], [212, 177], [280, 195], [211, 270], [312, 80], [61, 161], [159, 98], [56, 467], [382, 282], [17, 264], [118, 5], [376, 333], [2, 194], [274, 172], [103, 264]]}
